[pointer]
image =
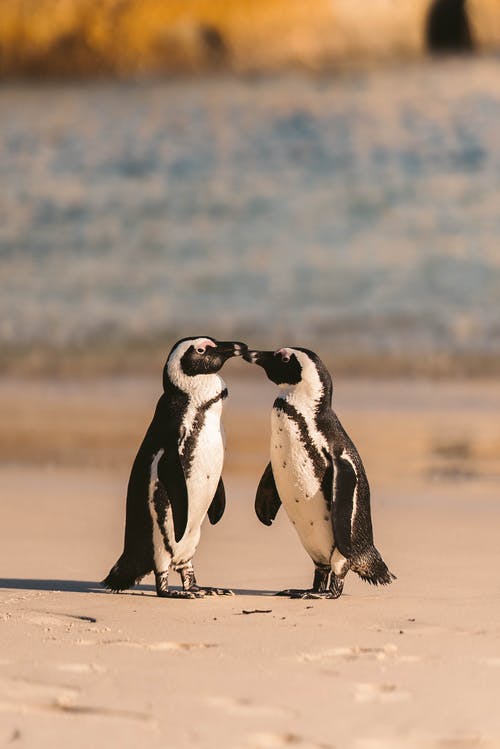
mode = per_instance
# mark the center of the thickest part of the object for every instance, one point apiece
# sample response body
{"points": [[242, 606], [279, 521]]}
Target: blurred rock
{"points": [[149, 37]]}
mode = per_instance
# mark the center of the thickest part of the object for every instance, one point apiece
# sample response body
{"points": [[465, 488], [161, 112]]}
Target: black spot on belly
{"points": [[313, 454]]}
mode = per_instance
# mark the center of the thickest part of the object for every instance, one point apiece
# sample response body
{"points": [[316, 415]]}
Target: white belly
{"points": [[206, 469], [300, 490]]}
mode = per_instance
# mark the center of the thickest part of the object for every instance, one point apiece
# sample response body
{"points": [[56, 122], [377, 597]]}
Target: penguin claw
{"points": [[336, 586], [195, 592], [213, 591], [180, 594], [307, 595]]}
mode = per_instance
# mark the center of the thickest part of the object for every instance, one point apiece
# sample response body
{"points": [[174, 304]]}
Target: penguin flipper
{"points": [[218, 504], [171, 475], [344, 482], [267, 500]]}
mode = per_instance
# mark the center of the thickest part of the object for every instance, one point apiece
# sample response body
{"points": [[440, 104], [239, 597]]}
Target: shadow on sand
{"points": [[87, 586]]}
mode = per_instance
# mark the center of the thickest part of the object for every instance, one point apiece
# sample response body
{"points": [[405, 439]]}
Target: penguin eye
{"points": [[200, 350], [285, 356]]}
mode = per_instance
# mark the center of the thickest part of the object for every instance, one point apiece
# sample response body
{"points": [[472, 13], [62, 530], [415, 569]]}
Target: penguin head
{"points": [[282, 367], [191, 357], [294, 368]]}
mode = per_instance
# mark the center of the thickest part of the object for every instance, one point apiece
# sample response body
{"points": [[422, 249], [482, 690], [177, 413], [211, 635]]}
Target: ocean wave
{"points": [[358, 215]]}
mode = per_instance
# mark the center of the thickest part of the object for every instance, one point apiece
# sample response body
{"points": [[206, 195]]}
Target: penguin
{"points": [[317, 474], [176, 476]]}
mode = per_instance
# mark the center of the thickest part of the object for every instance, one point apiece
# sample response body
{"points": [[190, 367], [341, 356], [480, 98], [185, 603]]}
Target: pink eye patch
{"points": [[204, 343], [284, 353]]}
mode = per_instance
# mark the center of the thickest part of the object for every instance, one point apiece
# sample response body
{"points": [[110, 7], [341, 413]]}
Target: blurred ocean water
{"points": [[357, 214]]}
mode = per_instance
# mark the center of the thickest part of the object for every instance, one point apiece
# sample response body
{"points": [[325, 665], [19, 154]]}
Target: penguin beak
{"points": [[258, 357], [227, 349]]}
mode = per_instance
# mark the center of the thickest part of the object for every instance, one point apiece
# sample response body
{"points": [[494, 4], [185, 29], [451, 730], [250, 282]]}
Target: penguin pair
{"points": [[315, 472]]}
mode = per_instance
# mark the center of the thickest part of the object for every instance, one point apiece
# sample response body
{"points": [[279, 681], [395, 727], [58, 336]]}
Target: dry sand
{"points": [[415, 665]]}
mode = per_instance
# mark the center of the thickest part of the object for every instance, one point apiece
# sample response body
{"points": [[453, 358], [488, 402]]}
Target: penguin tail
{"points": [[124, 574], [370, 566]]}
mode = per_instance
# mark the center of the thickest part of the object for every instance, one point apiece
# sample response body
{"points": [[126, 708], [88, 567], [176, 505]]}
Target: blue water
{"points": [[356, 213]]}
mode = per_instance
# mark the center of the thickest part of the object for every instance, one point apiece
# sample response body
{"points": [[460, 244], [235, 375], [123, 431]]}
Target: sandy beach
{"points": [[415, 665]]}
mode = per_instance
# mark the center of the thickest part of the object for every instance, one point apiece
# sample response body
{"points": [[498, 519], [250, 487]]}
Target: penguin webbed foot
{"points": [[333, 591], [190, 585], [295, 593], [208, 591], [308, 595], [336, 586], [179, 594]]}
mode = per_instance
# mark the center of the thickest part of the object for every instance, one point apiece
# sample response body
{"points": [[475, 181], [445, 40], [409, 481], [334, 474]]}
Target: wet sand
{"points": [[412, 666]]}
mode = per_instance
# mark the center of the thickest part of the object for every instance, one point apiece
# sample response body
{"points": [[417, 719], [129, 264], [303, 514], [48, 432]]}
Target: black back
{"points": [[162, 434]]}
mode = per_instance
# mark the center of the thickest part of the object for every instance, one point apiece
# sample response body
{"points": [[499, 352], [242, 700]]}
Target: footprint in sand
{"points": [[21, 695], [391, 744], [413, 627], [49, 620], [270, 740], [24, 692], [242, 706], [167, 646], [170, 646], [475, 741], [357, 652], [20, 597], [427, 742], [80, 668], [46, 620], [372, 692]]}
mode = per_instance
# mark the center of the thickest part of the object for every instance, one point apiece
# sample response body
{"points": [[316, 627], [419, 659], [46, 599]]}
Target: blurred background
{"points": [[310, 173], [283, 172], [323, 173]]}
